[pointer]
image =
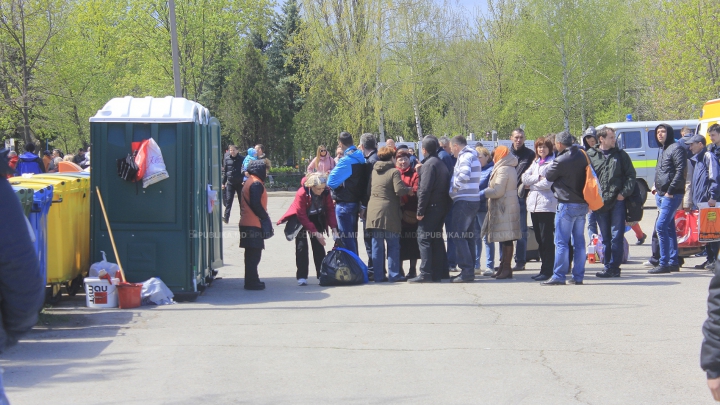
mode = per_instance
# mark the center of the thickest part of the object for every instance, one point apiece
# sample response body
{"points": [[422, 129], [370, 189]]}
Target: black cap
{"points": [[695, 138]]}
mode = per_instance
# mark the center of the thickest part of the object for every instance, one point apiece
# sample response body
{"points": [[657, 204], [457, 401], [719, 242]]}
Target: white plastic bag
{"points": [[110, 268], [154, 291], [156, 170]]}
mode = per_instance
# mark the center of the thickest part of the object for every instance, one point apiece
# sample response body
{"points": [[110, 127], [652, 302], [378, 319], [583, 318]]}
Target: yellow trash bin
{"points": [[62, 228], [81, 207]]}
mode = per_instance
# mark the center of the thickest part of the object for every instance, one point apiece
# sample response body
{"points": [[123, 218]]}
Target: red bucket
{"points": [[129, 295]]}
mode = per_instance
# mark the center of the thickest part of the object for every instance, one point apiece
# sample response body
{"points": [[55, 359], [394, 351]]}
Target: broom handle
{"points": [[112, 240]]}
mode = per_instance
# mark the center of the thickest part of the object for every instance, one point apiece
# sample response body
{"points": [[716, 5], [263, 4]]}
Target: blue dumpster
{"points": [[42, 199]]}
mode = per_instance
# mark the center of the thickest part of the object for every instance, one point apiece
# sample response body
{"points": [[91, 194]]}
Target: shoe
{"points": [[383, 280], [226, 220], [542, 277], [479, 271], [518, 267], [553, 281], [453, 269], [702, 266], [648, 263], [641, 240], [607, 273], [423, 278], [487, 273], [674, 269], [459, 279], [302, 281], [660, 270], [400, 279], [572, 281], [257, 286], [411, 274]]}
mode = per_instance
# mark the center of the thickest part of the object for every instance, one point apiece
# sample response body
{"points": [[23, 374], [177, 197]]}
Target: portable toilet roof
{"points": [[152, 110]]}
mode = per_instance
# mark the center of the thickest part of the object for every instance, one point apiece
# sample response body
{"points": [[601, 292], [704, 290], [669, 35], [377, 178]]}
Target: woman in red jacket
{"points": [[409, 249], [315, 211]]}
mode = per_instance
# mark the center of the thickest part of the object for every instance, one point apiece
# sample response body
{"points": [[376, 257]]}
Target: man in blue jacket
{"points": [[22, 286], [348, 182], [704, 186], [29, 162]]}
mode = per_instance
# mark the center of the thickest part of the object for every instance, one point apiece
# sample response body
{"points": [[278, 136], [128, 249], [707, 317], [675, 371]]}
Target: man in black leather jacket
{"points": [[433, 204], [525, 157], [710, 349], [670, 186], [232, 179]]}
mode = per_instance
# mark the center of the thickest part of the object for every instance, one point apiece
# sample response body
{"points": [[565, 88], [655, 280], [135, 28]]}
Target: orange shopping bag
{"points": [[709, 223]]}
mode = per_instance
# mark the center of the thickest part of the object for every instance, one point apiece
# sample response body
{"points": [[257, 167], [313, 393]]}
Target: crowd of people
{"points": [[30, 162], [476, 199]]}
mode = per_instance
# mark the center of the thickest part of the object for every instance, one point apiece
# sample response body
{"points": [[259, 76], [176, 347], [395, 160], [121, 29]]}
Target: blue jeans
{"points": [[463, 225], [379, 237], [479, 242], [347, 219], [612, 229], [570, 228], [665, 228], [449, 231], [592, 224]]}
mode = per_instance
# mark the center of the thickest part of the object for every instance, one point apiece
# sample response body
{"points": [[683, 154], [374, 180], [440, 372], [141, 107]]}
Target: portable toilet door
{"points": [[215, 182], [199, 260]]}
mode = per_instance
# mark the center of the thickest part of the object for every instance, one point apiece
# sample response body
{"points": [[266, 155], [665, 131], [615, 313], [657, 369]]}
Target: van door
{"points": [[631, 141]]}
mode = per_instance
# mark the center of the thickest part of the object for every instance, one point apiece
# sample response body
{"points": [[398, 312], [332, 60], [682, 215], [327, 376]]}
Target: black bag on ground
{"points": [[342, 267], [634, 206]]}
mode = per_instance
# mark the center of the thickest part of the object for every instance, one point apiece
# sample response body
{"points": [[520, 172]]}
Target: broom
{"points": [[112, 240]]}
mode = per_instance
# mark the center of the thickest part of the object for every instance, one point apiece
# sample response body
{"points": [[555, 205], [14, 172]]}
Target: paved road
{"points": [[633, 340]]}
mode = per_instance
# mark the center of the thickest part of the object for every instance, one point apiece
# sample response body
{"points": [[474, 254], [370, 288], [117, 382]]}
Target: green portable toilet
{"points": [[167, 230]]}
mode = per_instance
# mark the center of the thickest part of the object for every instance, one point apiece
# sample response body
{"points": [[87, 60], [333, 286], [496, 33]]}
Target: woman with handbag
{"points": [[255, 224], [542, 204], [323, 162], [502, 224], [383, 215], [409, 249], [312, 212]]}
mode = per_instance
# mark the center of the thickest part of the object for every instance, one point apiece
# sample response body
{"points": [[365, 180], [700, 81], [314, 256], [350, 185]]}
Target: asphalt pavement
{"points": [[629, 340]]}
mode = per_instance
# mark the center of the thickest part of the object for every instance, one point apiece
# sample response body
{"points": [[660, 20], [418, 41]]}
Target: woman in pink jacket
{"points": [[323, 162]]}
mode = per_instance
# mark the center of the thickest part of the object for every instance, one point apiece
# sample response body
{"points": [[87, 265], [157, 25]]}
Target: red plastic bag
{"points": [[686, 228], [141, 157]]}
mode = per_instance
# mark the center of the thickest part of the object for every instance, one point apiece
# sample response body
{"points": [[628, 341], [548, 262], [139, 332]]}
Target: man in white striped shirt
{"points": [[465, 192]]}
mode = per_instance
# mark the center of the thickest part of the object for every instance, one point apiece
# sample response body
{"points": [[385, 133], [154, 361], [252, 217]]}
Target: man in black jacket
{"points": [[433, 204], [525, 158], [22, 285], [232, 179], [670, 190], [567, 172], [710, 349], [368, 146]]}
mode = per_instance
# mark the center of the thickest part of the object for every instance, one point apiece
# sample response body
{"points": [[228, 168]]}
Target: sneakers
{"points": [[660, 270], [453, 269], [226, 220], [460, 279], [641, 240], [518, 267], [702, 266], [553, 281], [487, 273], [608, 273], [302, 281], [479, 271]]}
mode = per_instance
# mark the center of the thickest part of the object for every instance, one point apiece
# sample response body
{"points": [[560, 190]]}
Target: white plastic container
{"points": [[100, 293]]}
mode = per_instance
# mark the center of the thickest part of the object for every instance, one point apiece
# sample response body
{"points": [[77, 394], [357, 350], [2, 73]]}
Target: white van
{"points": [[638, 140]]}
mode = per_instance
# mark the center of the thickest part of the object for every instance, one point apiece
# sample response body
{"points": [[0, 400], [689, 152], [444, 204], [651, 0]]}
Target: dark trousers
{"points": [[433, 258], [252, 259], [302, 260], [367, 237], [229, 195], [712, 249], [544, 227]]}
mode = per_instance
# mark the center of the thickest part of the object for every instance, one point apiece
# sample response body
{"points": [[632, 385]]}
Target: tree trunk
{"points": [[565, 88]]}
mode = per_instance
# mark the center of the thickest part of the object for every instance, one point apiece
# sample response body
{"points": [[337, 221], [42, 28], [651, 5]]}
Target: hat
{"points": [[695, 138], [590, 131], [564, 138]]}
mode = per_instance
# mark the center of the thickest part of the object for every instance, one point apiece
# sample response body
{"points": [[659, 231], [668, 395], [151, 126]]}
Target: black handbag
{"points": [[292, 227], [127, 169], [267, 228]]}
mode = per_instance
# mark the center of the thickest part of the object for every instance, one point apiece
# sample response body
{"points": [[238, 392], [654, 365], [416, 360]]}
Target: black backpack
{"points": [[634, 206]]}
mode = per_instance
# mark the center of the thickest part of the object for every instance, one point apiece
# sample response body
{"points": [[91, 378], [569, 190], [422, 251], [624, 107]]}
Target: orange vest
{"points": [[247, 216]]}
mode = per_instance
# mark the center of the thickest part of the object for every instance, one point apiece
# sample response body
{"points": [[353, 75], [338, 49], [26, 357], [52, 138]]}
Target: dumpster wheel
{"points": [[73, 286]]}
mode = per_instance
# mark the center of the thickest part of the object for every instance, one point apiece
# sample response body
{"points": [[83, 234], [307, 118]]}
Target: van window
{"points": [[630, 140], [652, 141]]}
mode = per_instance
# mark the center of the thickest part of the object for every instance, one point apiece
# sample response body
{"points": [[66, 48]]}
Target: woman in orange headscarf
{"points": [[502, 223]]}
